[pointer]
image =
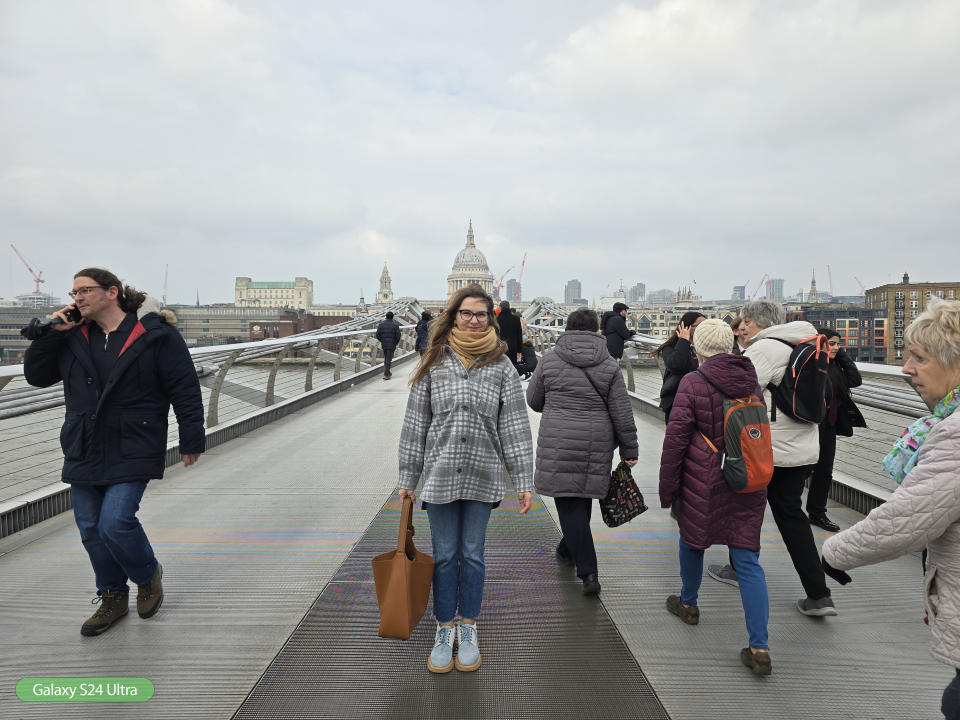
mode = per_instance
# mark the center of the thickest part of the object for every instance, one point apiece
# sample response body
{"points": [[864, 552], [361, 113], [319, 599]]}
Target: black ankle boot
{"points": [[591, 586]]}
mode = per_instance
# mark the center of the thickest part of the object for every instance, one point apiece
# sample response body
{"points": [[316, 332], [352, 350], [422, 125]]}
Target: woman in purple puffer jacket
{"points": [[692, 484]]}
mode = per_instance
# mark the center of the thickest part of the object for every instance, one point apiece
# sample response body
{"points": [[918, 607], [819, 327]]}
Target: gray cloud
{"points": [[657, 142]]}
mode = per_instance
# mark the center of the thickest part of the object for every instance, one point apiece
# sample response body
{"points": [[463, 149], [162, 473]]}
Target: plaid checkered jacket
{"points": [[465, 433]]}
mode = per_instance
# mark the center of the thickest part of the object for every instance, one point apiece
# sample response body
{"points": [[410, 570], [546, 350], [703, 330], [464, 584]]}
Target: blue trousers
{"points": [[750, 577], [112, 535], [950, 703], [459, 532]]}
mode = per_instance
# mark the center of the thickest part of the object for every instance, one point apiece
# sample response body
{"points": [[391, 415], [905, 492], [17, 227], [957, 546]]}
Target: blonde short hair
{"points": [[937, 331]]}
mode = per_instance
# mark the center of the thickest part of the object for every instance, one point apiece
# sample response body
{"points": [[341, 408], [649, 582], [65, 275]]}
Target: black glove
{"points": [[839, 575]]}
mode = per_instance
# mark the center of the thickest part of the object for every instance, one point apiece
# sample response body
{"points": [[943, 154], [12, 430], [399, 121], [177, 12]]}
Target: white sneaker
{"points": [[468, 647], [441, 659]]}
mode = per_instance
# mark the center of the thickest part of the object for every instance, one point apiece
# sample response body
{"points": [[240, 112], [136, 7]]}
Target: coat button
{"points": [[93, 416], [464, 407], [463, 439], [89, 381], [459, 470]]}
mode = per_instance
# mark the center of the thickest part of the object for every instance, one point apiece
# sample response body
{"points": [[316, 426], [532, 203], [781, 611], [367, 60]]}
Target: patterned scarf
{"points": [[470, 345], [903, 457]]}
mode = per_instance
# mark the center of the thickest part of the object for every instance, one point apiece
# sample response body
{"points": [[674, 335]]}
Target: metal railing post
{"points": [[214, 402], [308, 385], [361, 344], [273, 374], [336, 368], [631, 386]]}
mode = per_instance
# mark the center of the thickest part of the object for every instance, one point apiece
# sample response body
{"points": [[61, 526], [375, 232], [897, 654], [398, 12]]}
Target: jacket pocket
{"points": [[73, 435], [142, 435]]}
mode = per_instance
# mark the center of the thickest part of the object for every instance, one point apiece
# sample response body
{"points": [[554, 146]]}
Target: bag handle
{"points": [[405, 536]]}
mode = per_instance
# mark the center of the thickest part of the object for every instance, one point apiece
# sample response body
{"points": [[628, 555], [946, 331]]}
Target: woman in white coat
{"points": [[924, 512]]}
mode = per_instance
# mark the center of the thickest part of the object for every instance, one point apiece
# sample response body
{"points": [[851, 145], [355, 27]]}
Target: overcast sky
{"points": [[660, 142]]}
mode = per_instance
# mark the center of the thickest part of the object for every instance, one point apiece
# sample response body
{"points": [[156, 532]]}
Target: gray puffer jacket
{"points": [[578, 433], [923, 512]]}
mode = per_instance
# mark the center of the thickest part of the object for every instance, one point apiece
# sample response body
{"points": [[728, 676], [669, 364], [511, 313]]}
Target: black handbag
{"points": [[624, 501]]}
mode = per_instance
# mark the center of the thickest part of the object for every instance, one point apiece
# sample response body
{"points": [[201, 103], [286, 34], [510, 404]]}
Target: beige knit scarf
{"points": [[470, 345]]}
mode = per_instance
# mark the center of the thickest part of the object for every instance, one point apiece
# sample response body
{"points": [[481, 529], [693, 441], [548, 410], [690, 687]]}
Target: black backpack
{"points": [[802, 392]]}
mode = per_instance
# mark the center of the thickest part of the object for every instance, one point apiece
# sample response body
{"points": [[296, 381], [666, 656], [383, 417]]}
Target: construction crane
{"points": [[523, 264], [863, 290], [830, 275], [759, 285], [37, 277], [499, 284]]}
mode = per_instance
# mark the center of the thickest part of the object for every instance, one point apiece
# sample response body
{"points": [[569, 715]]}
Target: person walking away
{"points": [[465, 438], [122, 366], [924, 510], [423, 331], [511, 332], [707, 510], [388, 333], [842, 417], [613, 325], [796, 448], [578, 385], [679, 358]]}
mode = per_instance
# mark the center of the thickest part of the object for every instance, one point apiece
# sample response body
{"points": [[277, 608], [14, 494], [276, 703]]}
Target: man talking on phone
{"points": [[122, 364]]}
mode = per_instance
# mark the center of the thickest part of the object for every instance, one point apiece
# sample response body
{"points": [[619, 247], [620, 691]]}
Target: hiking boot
{"points": [[822, 521], [468, 647], [723, 573], [690, 614], [113, 606], [757, 660], [150, 596], [441, 658], [817, 608], [591, 586]]}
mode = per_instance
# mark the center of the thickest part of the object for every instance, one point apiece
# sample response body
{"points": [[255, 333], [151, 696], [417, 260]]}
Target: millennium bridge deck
{"points": [[270, 609]]}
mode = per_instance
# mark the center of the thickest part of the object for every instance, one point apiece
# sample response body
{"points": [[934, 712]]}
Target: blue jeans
{"points": [[459, 531], [750, 577], [950, 703], [112, 535]]}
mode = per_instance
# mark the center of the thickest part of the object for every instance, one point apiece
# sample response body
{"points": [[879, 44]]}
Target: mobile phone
{"points": [[73, 314]]}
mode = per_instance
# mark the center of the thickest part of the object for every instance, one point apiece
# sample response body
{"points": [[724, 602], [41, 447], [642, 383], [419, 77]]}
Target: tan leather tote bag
{"points": [[402, 578]]}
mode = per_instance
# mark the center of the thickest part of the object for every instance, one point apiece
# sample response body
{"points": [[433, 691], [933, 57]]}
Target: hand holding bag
{"points": [[402, 578], [624, 501]]}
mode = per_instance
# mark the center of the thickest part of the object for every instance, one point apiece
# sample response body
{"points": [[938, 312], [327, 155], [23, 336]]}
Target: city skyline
{"points": [[673, 142]]}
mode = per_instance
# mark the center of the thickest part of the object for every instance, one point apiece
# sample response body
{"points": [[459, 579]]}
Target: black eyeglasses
{"points": [[86, 290], [468, 315]]}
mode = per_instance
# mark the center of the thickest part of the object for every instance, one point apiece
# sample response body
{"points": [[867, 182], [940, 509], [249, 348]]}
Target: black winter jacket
{"points": [[118, 432], [842, 412], [677, 362], [511, 332], [615, 328], [388, 333], [423, 334]]}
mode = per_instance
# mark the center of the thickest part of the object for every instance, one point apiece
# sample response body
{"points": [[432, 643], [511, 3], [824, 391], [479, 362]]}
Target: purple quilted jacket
{"points": [[708, 511]]}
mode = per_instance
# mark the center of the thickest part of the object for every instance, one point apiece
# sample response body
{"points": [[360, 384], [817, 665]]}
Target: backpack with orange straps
{"points": [[802, 391], [747, 456]]}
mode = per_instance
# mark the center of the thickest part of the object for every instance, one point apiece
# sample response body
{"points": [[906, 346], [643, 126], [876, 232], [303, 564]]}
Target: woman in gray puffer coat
{"points": [[586, 414]]}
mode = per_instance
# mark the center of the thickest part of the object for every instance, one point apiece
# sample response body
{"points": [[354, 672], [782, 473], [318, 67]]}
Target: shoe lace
{"points": [[105, 600], [444, 635], [468, 633]]}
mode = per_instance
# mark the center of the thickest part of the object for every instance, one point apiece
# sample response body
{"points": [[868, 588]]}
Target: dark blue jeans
{"points": [[112, 535], [950, 704], [459, 531], [752, 582]]}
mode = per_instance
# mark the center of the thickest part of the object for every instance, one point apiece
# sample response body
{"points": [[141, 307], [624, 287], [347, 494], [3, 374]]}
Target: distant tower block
{"points": [[385, 295]]}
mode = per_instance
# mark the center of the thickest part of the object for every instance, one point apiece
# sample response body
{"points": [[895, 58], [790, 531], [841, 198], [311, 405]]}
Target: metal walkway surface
{"points": [[252, 538]]}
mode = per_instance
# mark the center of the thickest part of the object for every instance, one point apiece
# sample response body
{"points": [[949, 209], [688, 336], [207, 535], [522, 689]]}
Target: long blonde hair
{"points": [[445, 322]]}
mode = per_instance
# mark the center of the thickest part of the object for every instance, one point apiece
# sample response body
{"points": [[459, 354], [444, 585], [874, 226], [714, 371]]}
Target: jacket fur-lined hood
{"points": [[153, 305]]}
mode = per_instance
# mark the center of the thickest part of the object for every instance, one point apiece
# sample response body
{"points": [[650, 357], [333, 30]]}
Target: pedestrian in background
{"points": [[707, 510], [465, 439], [679, 358], [924, 511], [842, 417], [511, 332], [587, 413], [388, 333], [613, 325], [423, 331]]}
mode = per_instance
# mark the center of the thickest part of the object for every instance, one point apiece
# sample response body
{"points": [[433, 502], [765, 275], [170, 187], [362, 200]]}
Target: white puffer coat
{"points": [[795, 443], [923, 512]]}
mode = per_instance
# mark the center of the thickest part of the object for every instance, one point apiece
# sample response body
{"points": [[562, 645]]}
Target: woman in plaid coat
{"points": [[465, 434]]}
